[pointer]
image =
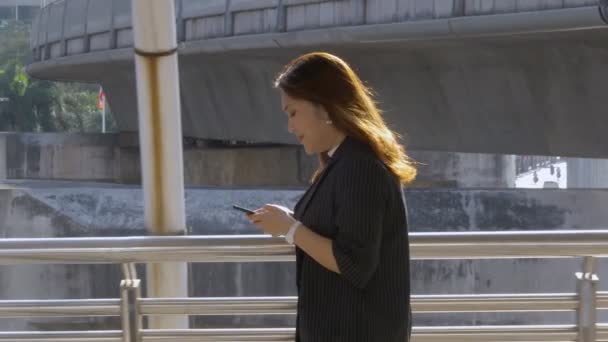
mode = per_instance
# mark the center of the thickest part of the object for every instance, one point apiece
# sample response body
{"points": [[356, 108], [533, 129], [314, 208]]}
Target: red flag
{"points": [[102, 98]]}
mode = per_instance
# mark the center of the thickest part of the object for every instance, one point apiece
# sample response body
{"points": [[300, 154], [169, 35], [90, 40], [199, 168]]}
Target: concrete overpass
{"points": [[32, 3], [522, 77], [19, 9]]}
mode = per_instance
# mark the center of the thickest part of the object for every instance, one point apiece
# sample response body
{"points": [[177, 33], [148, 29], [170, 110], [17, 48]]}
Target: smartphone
{"points": [[245, 210]]}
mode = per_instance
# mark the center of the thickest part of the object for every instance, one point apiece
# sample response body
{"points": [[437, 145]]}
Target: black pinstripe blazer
{"points": [[358, 204]]}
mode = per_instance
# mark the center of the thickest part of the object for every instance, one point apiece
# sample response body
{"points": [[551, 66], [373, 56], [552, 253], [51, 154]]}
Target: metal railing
{"points": [[131, 307]]}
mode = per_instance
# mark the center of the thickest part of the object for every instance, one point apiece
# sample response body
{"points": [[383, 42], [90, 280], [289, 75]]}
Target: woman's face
{"points": [[308, 123]]}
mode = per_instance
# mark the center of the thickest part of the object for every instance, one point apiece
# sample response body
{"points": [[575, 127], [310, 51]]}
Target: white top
{"points": [[331, 152]]}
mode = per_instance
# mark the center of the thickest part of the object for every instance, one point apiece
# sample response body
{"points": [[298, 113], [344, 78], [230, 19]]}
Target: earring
{"points": [[329, 122]]}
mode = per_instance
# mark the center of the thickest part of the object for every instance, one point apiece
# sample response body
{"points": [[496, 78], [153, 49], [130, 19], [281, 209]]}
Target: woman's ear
{"points": [[322, 112]]}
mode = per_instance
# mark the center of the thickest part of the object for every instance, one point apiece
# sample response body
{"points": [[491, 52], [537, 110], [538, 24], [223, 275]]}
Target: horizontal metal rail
{"points": [[420, 304], [495, 303], [215, 306], [420, 334], [497, 333], [60, 308], [238, 248], [262, 248], [510, 244], [219, 306], [466, 245], [62, 336], [216, 335]]}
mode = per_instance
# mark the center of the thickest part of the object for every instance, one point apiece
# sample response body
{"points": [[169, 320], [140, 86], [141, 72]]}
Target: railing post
{"points": [[130, 292], [587, 282]]}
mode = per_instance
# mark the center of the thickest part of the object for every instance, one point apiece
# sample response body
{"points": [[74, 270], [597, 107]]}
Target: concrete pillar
{"points": [[464, 170], [587, 173]]}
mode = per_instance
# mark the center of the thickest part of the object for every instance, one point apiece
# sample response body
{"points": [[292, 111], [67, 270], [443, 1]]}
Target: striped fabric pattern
{"points": [[358, 204]]}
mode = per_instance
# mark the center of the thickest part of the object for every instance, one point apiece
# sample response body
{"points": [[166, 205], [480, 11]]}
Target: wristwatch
{"points": [[292, 232]]}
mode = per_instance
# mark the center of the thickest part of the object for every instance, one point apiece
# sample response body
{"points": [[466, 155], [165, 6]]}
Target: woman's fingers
{"points": [[257, 216], [254, 215], [260, 211]]}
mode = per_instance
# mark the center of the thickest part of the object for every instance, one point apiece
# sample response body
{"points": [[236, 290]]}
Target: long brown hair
{"points": [[325, 79]]}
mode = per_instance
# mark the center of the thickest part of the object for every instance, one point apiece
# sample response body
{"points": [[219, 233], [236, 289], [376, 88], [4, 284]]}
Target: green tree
{"points": [[76, 108], [32, 105], [26, 105], [14, 41]]}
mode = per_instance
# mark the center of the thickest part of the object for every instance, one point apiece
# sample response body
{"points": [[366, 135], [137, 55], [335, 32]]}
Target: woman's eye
{"points": [[292, 114]]}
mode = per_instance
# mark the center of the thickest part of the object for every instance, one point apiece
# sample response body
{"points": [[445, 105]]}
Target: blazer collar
{"points": [[348, 145]]}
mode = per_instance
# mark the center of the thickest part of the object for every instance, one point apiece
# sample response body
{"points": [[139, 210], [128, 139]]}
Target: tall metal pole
{"points": [[103, 115], [160, 137]]}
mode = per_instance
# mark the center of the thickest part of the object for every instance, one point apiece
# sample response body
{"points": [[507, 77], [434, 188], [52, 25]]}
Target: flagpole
{"points": [[103, 116], [101, 102]]}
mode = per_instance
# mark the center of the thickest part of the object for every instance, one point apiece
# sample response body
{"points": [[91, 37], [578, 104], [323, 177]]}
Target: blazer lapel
{"points": [[301, 207], [308, 196]]}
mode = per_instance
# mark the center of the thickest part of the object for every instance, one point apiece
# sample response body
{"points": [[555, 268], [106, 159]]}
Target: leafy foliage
{"points": [[31, 105]]}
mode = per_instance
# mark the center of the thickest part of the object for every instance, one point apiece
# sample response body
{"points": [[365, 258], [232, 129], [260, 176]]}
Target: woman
{"points": [[350, 227]]}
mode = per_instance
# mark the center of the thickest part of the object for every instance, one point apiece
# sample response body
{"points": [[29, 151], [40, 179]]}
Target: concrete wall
{"points": [[587, 173], [60, 156], [464, 170], [115, 158], [41, 209], [33, 3], [73, 27], [107, 208]]}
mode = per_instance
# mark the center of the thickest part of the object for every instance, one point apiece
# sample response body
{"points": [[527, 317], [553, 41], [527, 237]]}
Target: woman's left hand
{"points": [[272, 219]]}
